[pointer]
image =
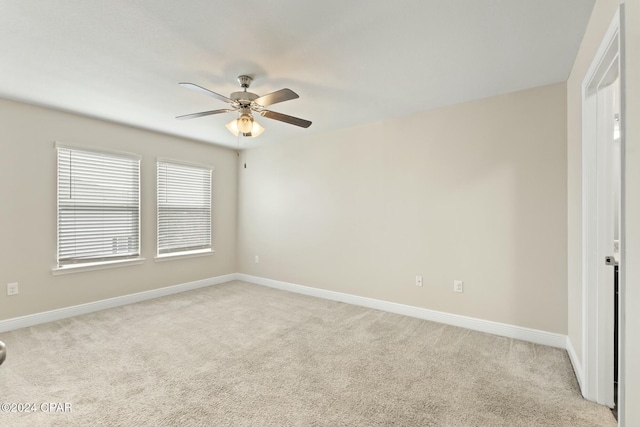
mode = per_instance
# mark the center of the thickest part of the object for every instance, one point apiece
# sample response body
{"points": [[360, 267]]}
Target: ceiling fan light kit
{"points": [[245, 125], [247, 103]]}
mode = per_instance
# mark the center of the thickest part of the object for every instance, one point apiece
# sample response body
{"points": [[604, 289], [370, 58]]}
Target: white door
{"points": [[602, 150]]}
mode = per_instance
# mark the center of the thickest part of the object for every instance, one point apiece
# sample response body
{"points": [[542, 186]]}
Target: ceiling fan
{"points": [[245, 104]]}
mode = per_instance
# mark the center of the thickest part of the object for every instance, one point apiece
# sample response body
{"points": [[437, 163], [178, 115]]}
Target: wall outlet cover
{"points": [[458, 286], [12, 289]]}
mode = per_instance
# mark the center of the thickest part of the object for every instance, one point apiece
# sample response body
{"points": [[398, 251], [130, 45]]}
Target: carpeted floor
{"points": [[241, 354]]}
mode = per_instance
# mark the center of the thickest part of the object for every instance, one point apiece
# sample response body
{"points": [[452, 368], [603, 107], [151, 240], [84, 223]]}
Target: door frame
{"points": [[597, 298]]}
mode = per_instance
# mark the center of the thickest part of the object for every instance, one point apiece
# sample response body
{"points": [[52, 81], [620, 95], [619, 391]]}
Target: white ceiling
{"points": [[351, 62]]}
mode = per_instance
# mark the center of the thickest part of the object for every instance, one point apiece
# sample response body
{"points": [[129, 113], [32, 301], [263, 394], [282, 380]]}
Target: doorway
{"points": [[603, 236]]}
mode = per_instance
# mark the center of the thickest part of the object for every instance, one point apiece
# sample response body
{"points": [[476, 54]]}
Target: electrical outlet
{"points": [[418, 280], [458, 285], [257, 259], [12, 289]]}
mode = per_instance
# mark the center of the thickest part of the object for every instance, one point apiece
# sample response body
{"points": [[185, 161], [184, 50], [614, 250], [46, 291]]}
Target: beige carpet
{"points": [[241, 354]]}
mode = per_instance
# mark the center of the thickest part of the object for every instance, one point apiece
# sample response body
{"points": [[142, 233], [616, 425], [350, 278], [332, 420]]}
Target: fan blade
{"points": [[206, 92], [284, 118], [204, 113], [275, 97]]}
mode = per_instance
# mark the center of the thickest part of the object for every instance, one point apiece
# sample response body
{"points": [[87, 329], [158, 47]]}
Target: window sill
{"points": [[78, 268], [181, 255]]}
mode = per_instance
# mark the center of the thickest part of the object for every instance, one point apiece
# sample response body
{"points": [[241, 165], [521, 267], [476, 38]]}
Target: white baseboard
{"points": [[63, 313], [577, 366], [501, 329]]}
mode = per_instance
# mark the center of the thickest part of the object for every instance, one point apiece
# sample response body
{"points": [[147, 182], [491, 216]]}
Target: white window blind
{"points": [[184, 208], [98, 206]]}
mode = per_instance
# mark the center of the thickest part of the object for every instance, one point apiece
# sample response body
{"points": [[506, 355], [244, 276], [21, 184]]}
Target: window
{"points": [[184, 209], [98, 206]]}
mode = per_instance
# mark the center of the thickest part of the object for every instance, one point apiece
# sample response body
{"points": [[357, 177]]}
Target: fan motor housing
{"points": [[243, 97]]}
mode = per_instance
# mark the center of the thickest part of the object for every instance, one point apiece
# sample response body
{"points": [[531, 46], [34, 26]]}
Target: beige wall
{"points": [[601, 17], [474, 192], [28, 213]]}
